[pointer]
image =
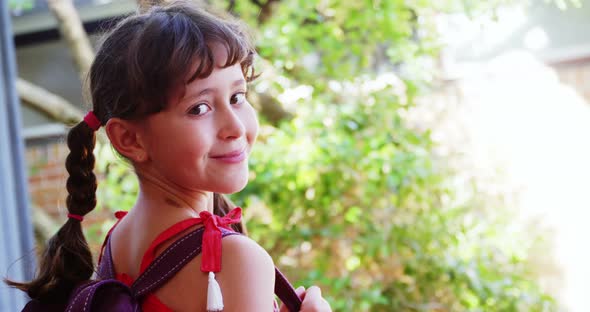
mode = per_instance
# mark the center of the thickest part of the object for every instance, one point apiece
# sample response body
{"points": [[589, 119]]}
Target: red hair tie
{"points": [[75, 216], [92, 121]]}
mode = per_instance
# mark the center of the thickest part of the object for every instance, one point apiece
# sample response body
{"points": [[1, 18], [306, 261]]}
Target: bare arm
{"points": [[247, 276]]}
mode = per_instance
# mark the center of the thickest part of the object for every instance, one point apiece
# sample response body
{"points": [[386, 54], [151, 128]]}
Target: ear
{"points": [[126, 139]]}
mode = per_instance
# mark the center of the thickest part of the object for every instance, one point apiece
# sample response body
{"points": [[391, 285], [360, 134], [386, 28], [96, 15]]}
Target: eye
{"points": [[238, 98], [199, 109]]}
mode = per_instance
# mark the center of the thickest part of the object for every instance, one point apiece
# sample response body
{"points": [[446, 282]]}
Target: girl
{"points": [[169, 87]]}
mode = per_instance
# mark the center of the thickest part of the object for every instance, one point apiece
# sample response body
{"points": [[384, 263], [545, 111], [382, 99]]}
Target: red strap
{"points": [[119, 215], [176, 228], [211, 250]]}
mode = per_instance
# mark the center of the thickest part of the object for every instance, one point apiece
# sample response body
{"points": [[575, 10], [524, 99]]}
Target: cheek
{"points": [[251, 123], [178, 144]]}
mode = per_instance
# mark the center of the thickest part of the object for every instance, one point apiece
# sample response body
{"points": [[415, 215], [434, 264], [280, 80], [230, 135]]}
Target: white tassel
{"points": [[214, 297]]}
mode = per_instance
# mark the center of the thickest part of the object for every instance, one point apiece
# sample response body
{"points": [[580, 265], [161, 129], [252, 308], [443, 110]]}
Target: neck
{"points": [[159, 197]]}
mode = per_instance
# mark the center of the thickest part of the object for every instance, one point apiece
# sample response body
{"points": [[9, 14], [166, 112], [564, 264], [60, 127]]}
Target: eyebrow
{"points": [[233, 85]]}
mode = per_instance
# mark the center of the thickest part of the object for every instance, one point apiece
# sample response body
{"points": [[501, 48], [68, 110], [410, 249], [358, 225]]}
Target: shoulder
{"points": [[247, 275], [239, 251], [247, 279]]}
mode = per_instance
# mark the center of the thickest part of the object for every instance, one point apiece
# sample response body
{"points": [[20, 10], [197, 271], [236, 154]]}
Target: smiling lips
{"points": [[233, 157]]}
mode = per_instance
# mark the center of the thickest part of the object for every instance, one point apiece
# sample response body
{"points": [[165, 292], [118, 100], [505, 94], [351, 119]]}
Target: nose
{"points": [[231, 125]]}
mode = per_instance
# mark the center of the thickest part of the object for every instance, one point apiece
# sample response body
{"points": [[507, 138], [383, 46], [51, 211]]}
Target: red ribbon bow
{"points": [[211, 249]]}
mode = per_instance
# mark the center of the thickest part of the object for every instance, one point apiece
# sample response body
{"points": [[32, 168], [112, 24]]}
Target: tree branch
{"points": [[231, 6], [265, 9], [53, 106], [270, 108], [72, 30]]}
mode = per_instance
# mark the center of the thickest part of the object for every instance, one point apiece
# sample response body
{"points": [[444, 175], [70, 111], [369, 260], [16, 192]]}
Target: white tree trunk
{"points": [[51, 105], [72, 30]]}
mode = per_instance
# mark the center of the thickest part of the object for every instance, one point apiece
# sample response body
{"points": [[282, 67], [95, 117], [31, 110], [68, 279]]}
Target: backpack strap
{"points": [[106, 267], [285, 291], [175, 257], [119, 215], [101, 295], [167, 264]]}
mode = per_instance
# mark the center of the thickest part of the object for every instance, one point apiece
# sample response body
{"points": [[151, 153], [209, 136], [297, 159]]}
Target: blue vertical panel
{"points": [[16, 231]]}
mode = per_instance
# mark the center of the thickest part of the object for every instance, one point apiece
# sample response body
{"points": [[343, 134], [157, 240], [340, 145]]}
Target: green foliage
{"points": [[120, 183], [347, 195]]}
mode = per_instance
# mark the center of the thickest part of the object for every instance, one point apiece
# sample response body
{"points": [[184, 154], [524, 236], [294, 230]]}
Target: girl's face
{"points": [[202, 140]]}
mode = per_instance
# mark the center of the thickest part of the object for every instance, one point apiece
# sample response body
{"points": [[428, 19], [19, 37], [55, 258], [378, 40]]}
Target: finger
{"points": [[326, 306], [300, 291], [314, 292]]}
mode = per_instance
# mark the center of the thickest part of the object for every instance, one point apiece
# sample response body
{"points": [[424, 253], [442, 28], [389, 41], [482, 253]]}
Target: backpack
{"points": [[108, 294]]}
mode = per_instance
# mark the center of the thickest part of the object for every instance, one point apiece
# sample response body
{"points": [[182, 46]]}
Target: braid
{"points": [[81, 184], [67, 259]]}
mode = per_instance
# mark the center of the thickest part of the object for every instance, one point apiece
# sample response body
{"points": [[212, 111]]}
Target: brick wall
{"points": [[47, 175]]}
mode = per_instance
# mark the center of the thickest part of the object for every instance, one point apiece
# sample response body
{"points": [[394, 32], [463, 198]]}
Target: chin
{"points": [[233, 186]]}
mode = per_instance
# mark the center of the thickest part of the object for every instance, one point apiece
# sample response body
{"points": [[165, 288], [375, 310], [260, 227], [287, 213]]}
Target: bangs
{"points": [[172, 41]]}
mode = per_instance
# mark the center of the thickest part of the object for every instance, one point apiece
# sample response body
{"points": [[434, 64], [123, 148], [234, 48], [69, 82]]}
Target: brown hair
{"points": [[139, 65]]}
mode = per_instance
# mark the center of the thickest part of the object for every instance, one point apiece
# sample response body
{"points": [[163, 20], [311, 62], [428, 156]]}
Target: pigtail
{"points": [[67, 259], [221, 206]]}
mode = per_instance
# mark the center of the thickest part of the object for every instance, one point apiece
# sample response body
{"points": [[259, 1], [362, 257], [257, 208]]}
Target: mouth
{"points": [[235, 156]]}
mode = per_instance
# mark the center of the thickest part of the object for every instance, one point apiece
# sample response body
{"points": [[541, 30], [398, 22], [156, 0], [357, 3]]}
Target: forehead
{"points": [[220, 55]]}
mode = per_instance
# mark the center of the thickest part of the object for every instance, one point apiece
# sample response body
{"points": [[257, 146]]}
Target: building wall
{"points": [[47, 175]]}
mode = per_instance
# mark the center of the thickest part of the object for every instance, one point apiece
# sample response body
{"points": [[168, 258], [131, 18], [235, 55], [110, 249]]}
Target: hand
{"points": [[312, 300]]}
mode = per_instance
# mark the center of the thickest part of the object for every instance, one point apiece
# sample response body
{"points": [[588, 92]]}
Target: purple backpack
{"points": [[108, 294]]}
